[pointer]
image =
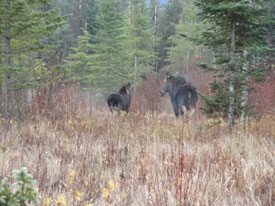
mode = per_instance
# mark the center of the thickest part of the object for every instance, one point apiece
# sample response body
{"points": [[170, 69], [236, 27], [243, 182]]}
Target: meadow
{"points": [[83, 156]]}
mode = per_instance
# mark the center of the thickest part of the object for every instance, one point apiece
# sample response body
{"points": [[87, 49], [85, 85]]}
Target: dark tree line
{"points": [[103, 44]]}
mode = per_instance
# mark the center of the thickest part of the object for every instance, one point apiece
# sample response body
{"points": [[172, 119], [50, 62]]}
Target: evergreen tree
{"points": [[236, 33], [82, 12], [165, 29], [108, 66], [270, 35], [89, 16], [23, 25], [139, 39], [154, 13], [184, 50], [80, 60], [60, 44]]}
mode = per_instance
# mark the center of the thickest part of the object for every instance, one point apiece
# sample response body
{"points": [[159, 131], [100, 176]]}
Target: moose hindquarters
{"points": [[114, 102], [193, 99], [182, 99], [115, 111]]}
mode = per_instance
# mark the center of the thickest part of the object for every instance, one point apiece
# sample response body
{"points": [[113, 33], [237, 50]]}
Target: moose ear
{"points": [[129, 84]]}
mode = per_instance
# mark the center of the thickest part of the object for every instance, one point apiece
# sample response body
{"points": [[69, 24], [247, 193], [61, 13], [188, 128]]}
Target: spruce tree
{"points": [[236, 34], [139, 40], [270, 35], [108, 65], [169, 17], [23, 25], [90, 12], [183, 50], [80, 60]]}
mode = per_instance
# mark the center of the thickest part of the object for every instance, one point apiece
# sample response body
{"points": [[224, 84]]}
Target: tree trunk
{"points": [[231, 117], [1, 109], [155, 24], [7, 74], [135, 74], [215, 65], [29, 99], [156, 3], [244, 99], [80, 13], [1, 89], [155, 14], [187, 63]]}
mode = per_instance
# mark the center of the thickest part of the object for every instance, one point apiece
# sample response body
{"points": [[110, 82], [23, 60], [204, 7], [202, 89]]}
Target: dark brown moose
{"points": [[183, 95], [120, 100]]}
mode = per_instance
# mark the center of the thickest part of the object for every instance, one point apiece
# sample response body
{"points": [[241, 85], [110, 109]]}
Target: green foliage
{"points": [[120, 50], [59, 45], [27, 24], [79, 62], [168, 19], [182, 49], [234, 65], [24, 25], [270, 34], [21, 192], [107, 67], [90, 12], [139, 43]]}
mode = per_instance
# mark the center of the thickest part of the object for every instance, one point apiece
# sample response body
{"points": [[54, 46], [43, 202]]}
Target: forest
{"points": [[61, 145]]}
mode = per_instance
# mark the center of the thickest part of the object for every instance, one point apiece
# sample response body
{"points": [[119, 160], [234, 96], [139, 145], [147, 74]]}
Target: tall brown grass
{"points": [[81, 155]]}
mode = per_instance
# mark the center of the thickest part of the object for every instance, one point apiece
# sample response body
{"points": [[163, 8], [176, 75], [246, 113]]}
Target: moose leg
{"points": [[192, 111], [191, 106], [175, 108], [183, 109], [181, 102], [111, 109], [127, 110], [115, 111]]}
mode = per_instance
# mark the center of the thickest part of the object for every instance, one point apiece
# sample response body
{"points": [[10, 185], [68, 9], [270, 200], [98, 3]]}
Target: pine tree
{"points": [[168, 18], [139, 40], [184, 50], [270, 35], [23, 25], [108, 66], [154, 13], [80, 60], [89, 16], [236, 33]]}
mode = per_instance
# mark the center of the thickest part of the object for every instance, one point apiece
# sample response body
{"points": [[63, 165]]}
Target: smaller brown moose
{"points": [[120, 100]]}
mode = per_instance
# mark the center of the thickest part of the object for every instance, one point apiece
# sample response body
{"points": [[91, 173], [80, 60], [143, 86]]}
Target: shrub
{"points": [[21, 192], [146, 98]]}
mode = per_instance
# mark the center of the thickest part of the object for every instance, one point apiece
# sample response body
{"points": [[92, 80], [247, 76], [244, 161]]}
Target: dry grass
{"points": [[90, 158]]}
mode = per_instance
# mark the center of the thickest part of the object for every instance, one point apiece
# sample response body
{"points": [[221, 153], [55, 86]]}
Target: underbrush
{"points": [[91, 158]]}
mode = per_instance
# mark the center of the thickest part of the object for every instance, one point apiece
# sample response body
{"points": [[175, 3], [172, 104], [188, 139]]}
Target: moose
{"points": [[183, 95], [121, 100]]}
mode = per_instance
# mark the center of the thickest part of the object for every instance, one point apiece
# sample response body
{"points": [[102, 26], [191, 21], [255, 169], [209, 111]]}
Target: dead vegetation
{"points": [[86, 157]]}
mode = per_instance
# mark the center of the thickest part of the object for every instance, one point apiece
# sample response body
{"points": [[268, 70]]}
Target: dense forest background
{"points": [[59, 61], [97, 46]]}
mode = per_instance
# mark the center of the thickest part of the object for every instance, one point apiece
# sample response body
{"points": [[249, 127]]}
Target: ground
{"points": [[91, 158]]}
